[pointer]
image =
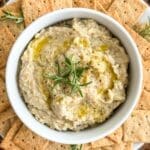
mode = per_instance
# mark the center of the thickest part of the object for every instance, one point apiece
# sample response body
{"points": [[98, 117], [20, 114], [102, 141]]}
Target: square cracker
{"points": [[102, 142], [137, 127], [27, 139], [14, 8], [56, 146], [128, 10], [32, 9], [2, 73], [99, 6], [147, 75], [7, 142], [105, 3], [59, 4], [121, 146], [5, 44], [144, 103], [84, 3], [142, 44], [9, 145], [87, 146], [116, 136], [7, 114], [4, 127], [4, 104]]}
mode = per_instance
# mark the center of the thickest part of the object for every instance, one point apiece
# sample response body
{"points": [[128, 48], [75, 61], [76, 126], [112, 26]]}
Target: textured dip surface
{"points": [[89, 44]]}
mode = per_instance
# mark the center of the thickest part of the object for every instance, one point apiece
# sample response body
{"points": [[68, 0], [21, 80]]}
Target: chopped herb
{"points": [[76, 147], [144, 30], [8, 15], [69, 75]]}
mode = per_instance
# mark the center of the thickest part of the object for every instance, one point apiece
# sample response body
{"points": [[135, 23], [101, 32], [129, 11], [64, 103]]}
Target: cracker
{"points": [[14, 8], [147, 80], [144, 103], [116, 136], [137, 127], [5, 44], [105, 3], [128, 10], [142, 44], [146, 64], [25, 138], [56, 146], [32, 9], [4, 104], [2, 73], [102, 142], [4, 127], [84, 3], [87, 146], [7, 143], [99, 6], [7, 114], [121, 146], [59, 4], [147, 75]]}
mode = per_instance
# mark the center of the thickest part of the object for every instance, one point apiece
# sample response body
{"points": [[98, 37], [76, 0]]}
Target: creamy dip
{"points": [[89, 45]]}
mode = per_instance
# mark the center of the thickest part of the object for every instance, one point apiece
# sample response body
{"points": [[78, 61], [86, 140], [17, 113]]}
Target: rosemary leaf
{"points": [[69, 75], [8, 15]]}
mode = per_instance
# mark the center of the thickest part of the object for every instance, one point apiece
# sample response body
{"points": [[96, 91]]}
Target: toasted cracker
{"points": [[137, 127], [7, 114], [6, 42], [87, 146], [32, 9], [147, 75], [2, 73], [102, 142], [99, 6], [128, 10], [121, 146], [14, 8], [116, 136], [105, 3], [142, 44], [147, 64], [56, 146], [7, 143], [147, 80], [144, 103], [4, 127], [26, 137], [4, 104], [59, 4], [84, 3]]}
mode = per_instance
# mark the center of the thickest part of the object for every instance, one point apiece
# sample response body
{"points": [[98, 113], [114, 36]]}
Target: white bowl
{"points": [[87, 135]]}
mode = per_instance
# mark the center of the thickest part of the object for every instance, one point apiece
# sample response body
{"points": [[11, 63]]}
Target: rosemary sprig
{"points": [[76, 147], [144, 30], [69, 75], [8, 15]]}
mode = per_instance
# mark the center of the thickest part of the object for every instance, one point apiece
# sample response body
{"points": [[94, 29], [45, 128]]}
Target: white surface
{"points": [[88, 135]]}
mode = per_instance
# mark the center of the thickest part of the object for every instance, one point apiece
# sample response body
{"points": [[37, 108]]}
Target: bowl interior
{"points": [[91, 134]]}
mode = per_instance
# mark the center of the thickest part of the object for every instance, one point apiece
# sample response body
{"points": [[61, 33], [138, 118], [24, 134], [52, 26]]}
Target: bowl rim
{"points": [[25, 115]]}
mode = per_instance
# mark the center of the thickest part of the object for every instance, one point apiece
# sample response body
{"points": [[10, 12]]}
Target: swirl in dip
{"points": [[73, 75]]}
